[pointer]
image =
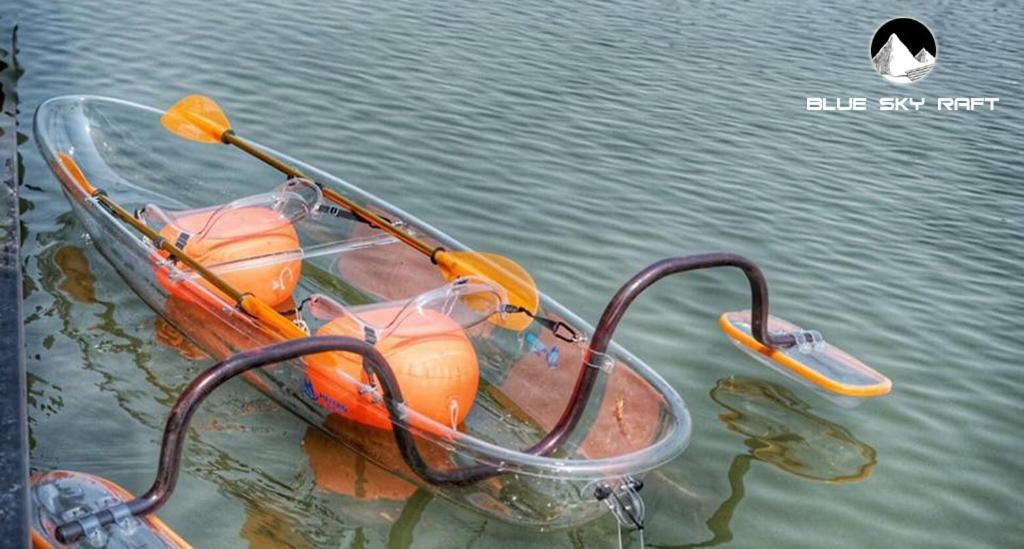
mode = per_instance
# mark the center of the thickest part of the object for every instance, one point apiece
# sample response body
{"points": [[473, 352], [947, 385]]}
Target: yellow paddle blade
{"points": [[196, 118], [521, 289]]}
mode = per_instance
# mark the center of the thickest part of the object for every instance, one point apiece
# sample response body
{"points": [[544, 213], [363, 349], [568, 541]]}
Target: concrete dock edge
{"points": [[14, 508]]}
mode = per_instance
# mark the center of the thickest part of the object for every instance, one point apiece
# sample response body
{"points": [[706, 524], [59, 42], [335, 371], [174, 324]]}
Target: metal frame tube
{"points": [[177, 424], [616, 309], [377, 366]]}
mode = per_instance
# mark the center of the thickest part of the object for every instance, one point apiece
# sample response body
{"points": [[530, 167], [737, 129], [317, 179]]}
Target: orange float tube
{"points": [[438, 373], [220, 236]]}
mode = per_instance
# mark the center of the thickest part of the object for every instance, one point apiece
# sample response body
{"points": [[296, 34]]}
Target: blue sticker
{"points": [[553, 356], [535, 344], [324, 400]]}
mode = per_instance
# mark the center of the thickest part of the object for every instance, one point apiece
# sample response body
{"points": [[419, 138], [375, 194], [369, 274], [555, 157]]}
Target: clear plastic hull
{"points": [[634, 422]]}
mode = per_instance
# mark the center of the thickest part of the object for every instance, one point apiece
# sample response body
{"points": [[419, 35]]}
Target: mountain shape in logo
{"points": [[896, 64], [924, 57]]}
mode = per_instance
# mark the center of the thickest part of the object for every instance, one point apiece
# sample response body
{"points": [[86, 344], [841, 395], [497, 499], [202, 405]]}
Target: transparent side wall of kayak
{"points": [[332, 273]]}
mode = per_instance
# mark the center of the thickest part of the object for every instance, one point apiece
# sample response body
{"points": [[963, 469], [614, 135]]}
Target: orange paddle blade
{"points": [[76, 173], [197, 118], [521, 289]]}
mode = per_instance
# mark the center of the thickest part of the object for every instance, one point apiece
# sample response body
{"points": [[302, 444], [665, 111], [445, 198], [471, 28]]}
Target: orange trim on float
{"points": [[157, 526], [39, 542], [800, 369]]}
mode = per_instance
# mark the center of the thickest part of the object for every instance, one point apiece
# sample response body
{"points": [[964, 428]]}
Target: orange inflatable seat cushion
{"points": [[235, 234], [438, 373]]}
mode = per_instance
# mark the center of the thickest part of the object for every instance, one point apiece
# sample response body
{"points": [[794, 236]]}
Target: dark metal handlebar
{"points": [[616, 309], [586, 381], [375, 364], [181, 414]]}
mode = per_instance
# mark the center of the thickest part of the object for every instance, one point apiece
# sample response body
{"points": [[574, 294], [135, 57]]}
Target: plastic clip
{"points": [[92, 530], [402, 411], [809, 340], [370, 335], [182, 240], [601, 361], [623, 498], [370, 389], [123, 518], [566, 333]]}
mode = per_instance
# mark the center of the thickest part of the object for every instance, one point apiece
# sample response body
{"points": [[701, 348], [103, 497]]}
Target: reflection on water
{"points": [[341, 470], [367, 492], [170, 336], [783, 433], [565, 121], [401, 534], [264, 529], [720, 519], [67, 276], [355, 489], [78, 280]]}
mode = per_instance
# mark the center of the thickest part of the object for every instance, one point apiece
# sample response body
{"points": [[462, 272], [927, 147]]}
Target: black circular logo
{"points": [[903, 50]]}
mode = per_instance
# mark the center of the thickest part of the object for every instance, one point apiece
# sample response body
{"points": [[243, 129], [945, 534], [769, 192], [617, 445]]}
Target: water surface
{"points": [[585, 140]]}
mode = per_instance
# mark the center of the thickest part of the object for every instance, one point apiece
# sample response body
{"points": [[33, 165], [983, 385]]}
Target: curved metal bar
{"points": [[602, 337], [176, 428], [374, 362], [616, 309]]}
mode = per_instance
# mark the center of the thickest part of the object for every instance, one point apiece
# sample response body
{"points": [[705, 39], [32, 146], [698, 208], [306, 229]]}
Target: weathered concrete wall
{"points": [[14, 529]]}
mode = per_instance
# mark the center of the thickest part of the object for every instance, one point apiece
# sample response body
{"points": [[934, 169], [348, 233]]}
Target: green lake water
{"points": [[585, 140]]}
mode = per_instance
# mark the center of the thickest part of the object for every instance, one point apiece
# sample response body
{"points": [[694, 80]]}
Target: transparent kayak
{"points": [[332, 273]]}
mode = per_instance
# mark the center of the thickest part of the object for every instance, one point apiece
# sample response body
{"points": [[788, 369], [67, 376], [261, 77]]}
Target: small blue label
{"points": [[324, 400], [553, 356], [537, 347]]}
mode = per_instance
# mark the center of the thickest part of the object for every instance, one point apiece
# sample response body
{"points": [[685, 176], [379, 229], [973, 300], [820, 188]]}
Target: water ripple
{"points": [[586, 139]]}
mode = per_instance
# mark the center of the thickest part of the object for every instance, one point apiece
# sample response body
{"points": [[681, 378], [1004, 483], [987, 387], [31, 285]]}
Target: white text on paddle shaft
{"points": [[901, 103]]}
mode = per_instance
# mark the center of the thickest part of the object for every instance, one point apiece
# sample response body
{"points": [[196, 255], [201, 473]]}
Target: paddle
{"points": [[247, 301], [199, 118]]}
